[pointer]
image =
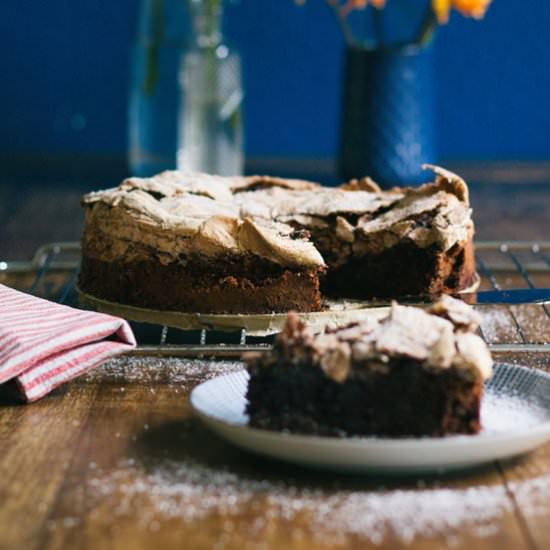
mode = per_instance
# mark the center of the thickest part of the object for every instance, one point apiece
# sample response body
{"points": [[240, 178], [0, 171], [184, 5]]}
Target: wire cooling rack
{"points": [[53, 271]]}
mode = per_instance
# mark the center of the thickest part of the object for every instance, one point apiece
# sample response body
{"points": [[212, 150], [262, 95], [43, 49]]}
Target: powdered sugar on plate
{"points": [[505, 413]]}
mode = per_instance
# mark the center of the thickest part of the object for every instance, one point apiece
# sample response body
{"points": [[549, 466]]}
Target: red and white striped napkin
{"points": [[43, 344]]}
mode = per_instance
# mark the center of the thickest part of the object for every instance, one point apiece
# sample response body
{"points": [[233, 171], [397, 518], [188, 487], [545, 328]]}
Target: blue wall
{"points": [[64, 78]]}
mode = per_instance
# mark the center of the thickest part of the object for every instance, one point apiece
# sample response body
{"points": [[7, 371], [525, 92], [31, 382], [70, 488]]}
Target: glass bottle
{"points": [[154, 99], [185, 91], [210, 122]]}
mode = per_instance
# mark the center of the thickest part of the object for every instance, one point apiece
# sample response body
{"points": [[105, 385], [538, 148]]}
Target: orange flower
{"points": [[441, 8], [359, 4], [350, 5], [472, 8], [469, 8]]}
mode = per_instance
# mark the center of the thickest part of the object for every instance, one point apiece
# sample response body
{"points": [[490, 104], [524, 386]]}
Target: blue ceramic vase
{"points": [[387, 115]]}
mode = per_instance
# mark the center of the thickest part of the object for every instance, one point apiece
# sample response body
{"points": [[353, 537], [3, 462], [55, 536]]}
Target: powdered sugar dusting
{"points": [[160, 370], [505, 413], [191, 492], [498, 325], [532, 496], [174, 484]]}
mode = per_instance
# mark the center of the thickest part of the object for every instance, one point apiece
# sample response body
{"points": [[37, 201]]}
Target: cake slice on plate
{"points": [[414, 373]]}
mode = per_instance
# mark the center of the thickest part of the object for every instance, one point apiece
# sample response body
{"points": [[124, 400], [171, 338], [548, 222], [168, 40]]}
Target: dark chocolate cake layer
{"points": [[415, 373], [403, 270], [302, 400], [199, 286]]}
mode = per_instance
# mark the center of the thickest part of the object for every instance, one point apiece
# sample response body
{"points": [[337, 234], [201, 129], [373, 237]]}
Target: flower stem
{"points": [[344, 25], [378, 19], [152, 50], [427, 28]]}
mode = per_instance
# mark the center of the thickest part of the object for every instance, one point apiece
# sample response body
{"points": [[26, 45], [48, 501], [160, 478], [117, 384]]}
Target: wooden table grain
{"points": [[115, 459]]}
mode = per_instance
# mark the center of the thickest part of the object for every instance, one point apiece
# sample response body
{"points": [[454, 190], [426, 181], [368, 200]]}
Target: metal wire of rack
{"points": [[53, 271]]}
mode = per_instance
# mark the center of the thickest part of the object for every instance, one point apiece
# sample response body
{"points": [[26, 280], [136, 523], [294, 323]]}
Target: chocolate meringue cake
{"points": [[258, 244], [414, 373]]}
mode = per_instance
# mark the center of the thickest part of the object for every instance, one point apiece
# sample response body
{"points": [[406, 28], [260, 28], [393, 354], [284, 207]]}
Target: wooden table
{"points": [[115, 460]]}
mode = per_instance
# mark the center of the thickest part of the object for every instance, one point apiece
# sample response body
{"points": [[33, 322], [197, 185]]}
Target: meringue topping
{"points": [[175, 213]]}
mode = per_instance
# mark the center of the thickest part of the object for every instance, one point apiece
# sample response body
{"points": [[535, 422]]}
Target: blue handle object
{"points": [[514, 296]]}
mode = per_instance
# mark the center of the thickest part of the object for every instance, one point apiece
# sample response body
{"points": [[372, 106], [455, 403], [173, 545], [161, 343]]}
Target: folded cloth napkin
{"points": [[43, 344]]}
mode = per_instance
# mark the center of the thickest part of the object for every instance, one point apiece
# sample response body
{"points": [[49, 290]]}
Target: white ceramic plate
{"points": [[515, 416]]}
